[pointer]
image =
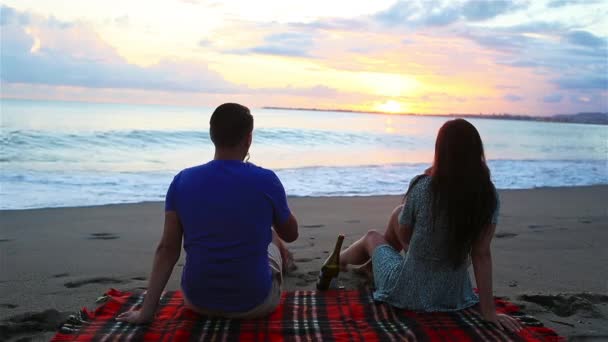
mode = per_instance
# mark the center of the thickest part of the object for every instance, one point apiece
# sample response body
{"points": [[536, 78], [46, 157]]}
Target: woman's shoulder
{"points": [[418, 185], [419, 182]]}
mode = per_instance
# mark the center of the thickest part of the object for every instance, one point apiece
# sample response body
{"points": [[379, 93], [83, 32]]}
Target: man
{"points": [[225, 210]]}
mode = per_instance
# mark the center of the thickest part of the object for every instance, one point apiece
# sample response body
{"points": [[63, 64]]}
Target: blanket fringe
{"points": [[75, 322]]}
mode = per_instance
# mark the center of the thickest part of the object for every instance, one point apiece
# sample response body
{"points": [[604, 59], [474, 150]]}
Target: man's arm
{"points": [[165, 258], [288, 230]]}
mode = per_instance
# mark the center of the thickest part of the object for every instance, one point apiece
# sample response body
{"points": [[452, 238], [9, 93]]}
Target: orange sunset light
{"points": [[419, 56], [390, 106]]}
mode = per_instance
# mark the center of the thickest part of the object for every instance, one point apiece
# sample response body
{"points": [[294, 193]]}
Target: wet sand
{"points": [[549, 252]]}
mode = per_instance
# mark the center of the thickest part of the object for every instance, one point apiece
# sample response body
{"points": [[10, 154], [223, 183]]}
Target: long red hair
{"points": [[464, 197]]}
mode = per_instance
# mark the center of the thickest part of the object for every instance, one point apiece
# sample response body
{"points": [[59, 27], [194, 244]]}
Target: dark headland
{"points": [[593, 118]]}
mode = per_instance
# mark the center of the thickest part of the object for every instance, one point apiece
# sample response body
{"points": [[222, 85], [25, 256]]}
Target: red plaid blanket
{"points": [[337, 315]]}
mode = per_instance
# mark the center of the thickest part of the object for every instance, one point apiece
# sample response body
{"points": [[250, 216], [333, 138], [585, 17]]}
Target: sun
{"points": [[390, 106]]}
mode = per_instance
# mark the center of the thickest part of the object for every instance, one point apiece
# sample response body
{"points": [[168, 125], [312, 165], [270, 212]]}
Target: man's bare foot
{"points": [[289, 264]]}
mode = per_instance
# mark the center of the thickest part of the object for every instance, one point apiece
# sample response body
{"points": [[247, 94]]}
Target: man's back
{"points": [[226, 209]]}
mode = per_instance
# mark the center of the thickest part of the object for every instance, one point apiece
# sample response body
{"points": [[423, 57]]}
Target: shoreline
{"points": [[549, 253], [291, 197]]}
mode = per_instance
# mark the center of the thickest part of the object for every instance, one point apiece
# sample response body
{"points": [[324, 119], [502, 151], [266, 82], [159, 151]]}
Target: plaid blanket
{"points": [[336, 315]]}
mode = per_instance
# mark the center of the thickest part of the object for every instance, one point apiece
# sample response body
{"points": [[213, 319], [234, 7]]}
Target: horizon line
{"points": [[343, 110]]}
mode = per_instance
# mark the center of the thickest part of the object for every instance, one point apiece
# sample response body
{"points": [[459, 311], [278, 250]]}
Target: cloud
{"points": [[205, 42], [585, 38], [8, 15], [521, 63], [496, 40], [540, 26], [513, 98], [432, 13], [580, 64], [476, 10], [292, 44], [122, 21], [504, 86], [583, 83], [315, 91], [562, 3], [39, 50], [587, 99], [341, 24], [553, 98]]}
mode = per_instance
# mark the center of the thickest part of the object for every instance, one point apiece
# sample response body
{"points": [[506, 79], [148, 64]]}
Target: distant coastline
{"points": [[594, 118]]}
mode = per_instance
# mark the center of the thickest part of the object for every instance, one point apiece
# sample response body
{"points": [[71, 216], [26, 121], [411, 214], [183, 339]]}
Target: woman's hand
{"points": [[135, 317], [505, 322]]}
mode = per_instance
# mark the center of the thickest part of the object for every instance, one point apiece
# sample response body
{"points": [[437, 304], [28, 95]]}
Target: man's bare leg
{"points": [[288, 264]]}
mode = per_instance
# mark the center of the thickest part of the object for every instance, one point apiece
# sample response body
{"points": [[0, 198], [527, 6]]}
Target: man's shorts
{"points": [[272, 300]]}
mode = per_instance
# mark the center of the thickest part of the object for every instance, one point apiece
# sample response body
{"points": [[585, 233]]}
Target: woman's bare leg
{"points": [[392, 230], [360, 252]]}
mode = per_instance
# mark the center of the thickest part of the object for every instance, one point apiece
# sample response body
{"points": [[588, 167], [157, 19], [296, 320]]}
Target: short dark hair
{"points": [[230, 123]]}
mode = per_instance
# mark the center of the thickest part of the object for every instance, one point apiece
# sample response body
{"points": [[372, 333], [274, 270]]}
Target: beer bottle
{"points": [[331, 266]]}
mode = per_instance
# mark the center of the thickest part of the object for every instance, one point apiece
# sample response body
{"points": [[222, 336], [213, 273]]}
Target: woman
{"points": [[448, 220]]}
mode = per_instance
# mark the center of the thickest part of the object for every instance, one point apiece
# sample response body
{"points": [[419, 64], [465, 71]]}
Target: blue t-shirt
{"points": [[227, 208]]}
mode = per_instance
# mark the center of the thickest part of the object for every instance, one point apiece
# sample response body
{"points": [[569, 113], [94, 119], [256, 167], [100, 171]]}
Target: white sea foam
{"points": [[69, 154]]}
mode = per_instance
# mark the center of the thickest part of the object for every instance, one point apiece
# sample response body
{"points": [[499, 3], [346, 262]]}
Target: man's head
{"points": [[231, 126]]}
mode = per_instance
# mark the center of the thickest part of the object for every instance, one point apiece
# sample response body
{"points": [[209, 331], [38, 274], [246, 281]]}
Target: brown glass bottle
{"points": [[331, 266]]}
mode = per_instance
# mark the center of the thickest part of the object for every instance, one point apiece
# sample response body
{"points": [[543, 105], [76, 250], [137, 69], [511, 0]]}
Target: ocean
{"points": [[57, 154]]}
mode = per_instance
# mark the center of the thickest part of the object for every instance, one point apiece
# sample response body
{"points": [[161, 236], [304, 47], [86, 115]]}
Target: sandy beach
{"points": [[549, 254]]}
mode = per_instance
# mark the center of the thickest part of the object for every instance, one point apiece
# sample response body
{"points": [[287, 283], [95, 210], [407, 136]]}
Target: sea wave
{"points": [[39, 189]]}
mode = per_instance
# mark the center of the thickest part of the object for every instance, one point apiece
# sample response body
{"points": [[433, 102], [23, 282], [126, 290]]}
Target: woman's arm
{"points": [[481, 256], [165, 258], [405, 235]]}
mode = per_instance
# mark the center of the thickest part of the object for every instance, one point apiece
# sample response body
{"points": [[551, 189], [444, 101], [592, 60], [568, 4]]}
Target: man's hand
{"points": [[135, 317]]}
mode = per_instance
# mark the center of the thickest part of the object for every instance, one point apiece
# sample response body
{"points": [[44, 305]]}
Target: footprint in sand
{"points": [[138, 278], [505, 235], [8, 305], [302, 246], [103, 236], [313, 226], [47, 320], [303, 260], [308, 276], [98, 280], [60, 275], [566, 305], [536, 226]]}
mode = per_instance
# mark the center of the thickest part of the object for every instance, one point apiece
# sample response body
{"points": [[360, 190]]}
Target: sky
{"points": [[538, 57]]}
